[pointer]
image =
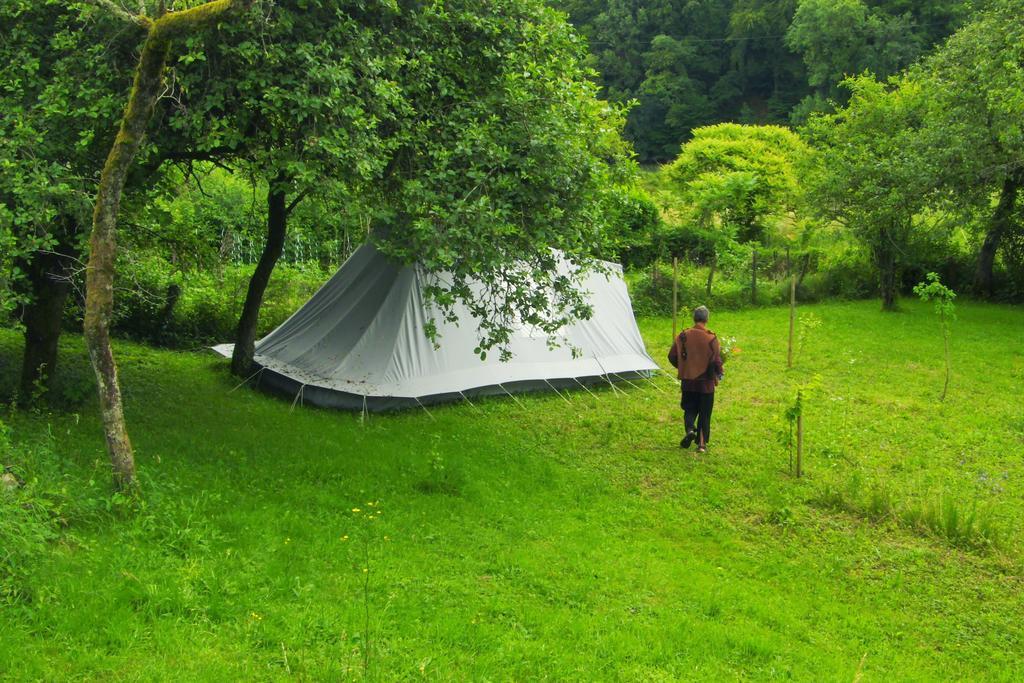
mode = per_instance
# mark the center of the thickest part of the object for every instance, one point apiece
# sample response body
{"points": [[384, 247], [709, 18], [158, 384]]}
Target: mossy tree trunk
{"points": [[99, 299]]}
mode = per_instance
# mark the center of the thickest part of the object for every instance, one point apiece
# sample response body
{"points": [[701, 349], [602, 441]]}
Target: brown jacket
{"points": [[697, 355]]}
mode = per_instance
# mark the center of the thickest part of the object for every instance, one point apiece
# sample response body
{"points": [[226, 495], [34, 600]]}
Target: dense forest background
{"points": [[696, 62]]}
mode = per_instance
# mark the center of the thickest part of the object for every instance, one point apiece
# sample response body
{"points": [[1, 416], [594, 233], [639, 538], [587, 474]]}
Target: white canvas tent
{"points": [[359, 343]]}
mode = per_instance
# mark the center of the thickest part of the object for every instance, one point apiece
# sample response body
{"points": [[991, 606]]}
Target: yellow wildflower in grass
{"points": [[356, 510]]}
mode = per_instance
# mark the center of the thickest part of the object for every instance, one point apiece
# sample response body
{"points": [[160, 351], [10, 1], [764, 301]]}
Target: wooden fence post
{"points": [[711, 273], [792, 318], [753, 276], [799, 443], [675, 294]]}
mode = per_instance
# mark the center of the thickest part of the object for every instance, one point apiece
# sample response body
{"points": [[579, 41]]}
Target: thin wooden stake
{"points": [[790, 448], [799, 444], [792, 318], [675, 294], [945, 339], [753, 276], [711, 273]]}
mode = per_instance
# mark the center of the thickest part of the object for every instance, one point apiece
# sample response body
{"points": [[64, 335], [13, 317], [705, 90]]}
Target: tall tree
{"points": [[473, 131], [874, 171], [58, 123], [160, 32], [697, 63], [304, 96], [975, 87], [741, 178], [505, 155]]}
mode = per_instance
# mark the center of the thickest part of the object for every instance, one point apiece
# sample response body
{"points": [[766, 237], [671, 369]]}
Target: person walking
{"points": [[697, 356]]}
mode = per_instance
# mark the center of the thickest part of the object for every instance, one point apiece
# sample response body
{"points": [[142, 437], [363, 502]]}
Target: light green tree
{"points": [[741, 179]]}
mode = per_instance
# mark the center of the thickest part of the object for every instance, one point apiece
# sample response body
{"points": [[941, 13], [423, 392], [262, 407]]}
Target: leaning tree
{"points": [[160, 30], [975, 90]]}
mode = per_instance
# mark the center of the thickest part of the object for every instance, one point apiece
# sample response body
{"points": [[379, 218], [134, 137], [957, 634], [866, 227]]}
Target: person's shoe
{"points": [[702, 449], [688, 439]]}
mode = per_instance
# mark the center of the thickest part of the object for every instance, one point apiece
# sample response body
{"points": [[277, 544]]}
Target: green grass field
{"points": [[549, 541]]}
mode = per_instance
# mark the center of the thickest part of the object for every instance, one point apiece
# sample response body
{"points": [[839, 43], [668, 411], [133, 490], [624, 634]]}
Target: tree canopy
{"points": [[975, 90], [471, 131], [59, 120]]}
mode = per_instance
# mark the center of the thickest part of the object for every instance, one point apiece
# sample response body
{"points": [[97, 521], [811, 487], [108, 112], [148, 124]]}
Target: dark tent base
{"points": [[275, 383]]}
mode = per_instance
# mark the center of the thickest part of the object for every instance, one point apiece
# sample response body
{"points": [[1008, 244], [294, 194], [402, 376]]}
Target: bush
{"points": [[842, 272], [651, 287], [206, 306]]}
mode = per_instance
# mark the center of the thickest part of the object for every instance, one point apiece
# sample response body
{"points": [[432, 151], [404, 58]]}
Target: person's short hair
{"points": [[701, 314]]}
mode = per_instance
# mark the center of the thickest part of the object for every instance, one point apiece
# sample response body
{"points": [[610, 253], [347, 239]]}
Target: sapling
{"points": [[941, 297], [795, 419], [808, 322]]}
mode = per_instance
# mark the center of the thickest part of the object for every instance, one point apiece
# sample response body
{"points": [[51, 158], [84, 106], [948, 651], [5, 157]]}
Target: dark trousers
{"points": [[697, 413]]}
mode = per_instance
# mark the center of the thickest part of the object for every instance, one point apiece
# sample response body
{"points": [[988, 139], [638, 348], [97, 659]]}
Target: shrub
{"points": [[962, 524], [206, 307], [731, 284]]}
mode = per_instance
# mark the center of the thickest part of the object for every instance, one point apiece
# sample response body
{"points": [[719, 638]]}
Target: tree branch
{"points": [[295, 202], [174, 24], [116, 10]]}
